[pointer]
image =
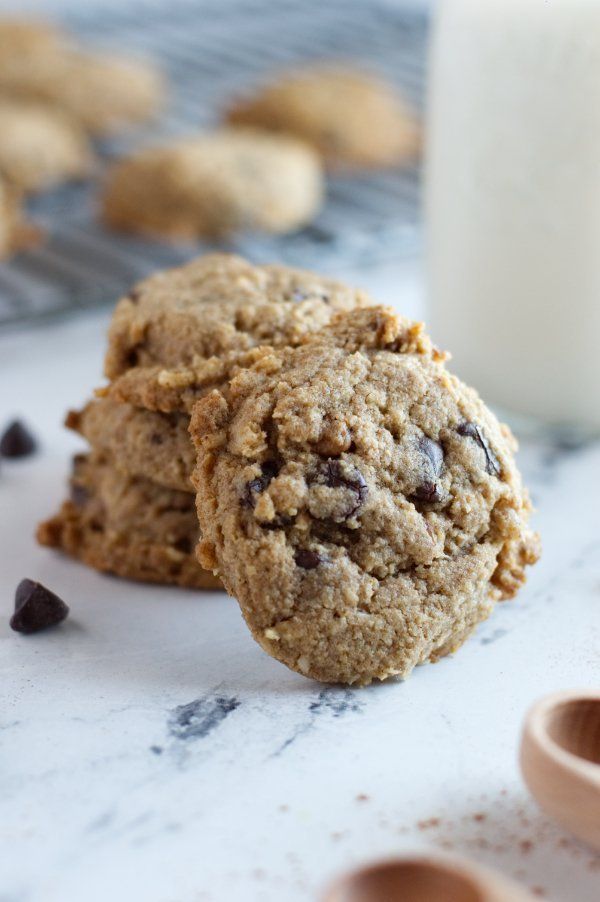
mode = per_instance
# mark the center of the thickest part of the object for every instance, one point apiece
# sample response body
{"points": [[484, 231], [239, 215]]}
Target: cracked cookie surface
{"points": [[359, 501]]}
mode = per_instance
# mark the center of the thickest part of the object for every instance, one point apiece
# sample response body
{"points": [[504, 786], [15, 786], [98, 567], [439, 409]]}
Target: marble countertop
{"points": [[149, 750]]}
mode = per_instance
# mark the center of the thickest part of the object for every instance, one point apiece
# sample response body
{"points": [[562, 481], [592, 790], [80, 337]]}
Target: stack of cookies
{"points": [[359, 501], [175, 337]]}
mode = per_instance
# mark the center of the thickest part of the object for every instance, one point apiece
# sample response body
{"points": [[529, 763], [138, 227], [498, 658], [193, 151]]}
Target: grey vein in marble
{"points": [[336, 702], [197, 719]]}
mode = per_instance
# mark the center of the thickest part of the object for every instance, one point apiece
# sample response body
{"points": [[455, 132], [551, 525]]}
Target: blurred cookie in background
{"points": [[40, 147], [353, 119], [101, 92], [216, 184], [27, 35], [127, 526]]}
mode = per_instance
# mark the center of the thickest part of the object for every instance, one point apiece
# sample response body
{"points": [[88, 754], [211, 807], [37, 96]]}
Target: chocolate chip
{"points": [[36, 608], [17, 441], [156, 438], [132, 358], [256, 486], [184, 545], [433, 452], [308, 560], [134, 295], [433, 457], [472, 430], [339, 474], [428, 492], [79, 495]]}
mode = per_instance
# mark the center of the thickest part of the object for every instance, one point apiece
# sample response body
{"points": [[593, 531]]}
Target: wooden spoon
{"points": [[560, 760], [425, 879]]}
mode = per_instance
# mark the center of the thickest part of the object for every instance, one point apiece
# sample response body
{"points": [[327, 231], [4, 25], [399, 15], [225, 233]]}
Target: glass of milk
{"points": [[513, 204]]}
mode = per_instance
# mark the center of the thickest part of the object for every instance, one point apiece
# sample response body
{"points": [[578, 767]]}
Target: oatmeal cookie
{"points": [[40, 147], [139, 442], [360, 502], [217, 303], [127, 526], [351, 118], [215, 184], [101, 93]]}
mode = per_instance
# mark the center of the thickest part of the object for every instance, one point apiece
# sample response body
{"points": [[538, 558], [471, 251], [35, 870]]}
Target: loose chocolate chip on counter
{"points": [[257, 486], [36, 608], [472, 430], [17, 441], [308, 560]]}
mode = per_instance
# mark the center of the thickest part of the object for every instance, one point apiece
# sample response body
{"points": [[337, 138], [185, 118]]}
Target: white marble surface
{"points": [[150, 751]]}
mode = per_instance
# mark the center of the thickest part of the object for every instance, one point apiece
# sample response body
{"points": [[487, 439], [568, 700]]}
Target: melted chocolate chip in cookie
{"points": [[472, 430], [307, 559], [256, 486], [432, 454], [339, 474], [79, 495]]}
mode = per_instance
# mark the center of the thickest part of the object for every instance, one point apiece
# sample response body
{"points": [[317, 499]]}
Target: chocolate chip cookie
{"points": [[351, 118], [40, 147], [127, 526], [217, 303], [214, 185], [139, 442], [361, 503], [101, 93]]}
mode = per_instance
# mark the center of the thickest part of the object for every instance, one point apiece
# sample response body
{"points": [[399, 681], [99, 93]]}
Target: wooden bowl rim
{"points": [[536, 725]]}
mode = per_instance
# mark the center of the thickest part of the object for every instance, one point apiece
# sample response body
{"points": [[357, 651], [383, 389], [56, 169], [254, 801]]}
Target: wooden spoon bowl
{"points": [[560, 760], [424, 879]]}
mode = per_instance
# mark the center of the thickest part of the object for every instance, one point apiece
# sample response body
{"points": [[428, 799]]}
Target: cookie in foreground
{"points": [[127, 526], [360, 502]]}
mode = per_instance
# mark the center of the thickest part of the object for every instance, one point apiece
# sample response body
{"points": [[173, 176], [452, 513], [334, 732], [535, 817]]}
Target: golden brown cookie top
{"points": [[216, 304], [361, 503]]}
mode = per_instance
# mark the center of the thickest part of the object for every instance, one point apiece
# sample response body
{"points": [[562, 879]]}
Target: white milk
{"points": [[513, 203]]}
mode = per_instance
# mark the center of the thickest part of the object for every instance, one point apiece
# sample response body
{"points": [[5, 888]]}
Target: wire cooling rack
{"points": [[212, 50]]}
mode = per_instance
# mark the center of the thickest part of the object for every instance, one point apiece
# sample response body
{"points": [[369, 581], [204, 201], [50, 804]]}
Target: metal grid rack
{"points": [[212, 50]]}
